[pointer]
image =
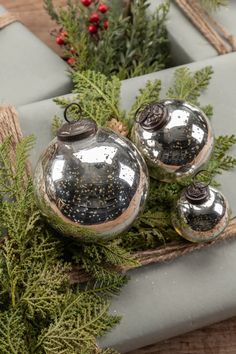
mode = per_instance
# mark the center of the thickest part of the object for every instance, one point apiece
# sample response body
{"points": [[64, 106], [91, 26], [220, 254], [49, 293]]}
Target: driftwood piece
{"points": [[10, 128], [9, 125], [8, 18], [162, 254], [218, 36]]}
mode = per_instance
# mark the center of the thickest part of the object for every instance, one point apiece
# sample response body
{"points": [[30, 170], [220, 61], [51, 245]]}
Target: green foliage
{"points": [[97, 96], [73, 330], [213, 4], [220, 160], [148, 94], [135, 43], [51, 10], [208, 110], [56, 124], [154, 226], [101, 260], [12, 332], [41, 312], [188, 86], [108, 351]]}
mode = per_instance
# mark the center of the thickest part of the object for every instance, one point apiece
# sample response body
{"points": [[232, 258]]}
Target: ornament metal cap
{"points": [[76, 130], [198, 192], [152, 116]]}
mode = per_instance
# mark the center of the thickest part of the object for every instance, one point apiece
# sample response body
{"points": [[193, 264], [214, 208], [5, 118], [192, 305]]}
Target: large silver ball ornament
{"points": [[90, 183], [201, 213], [175, 138]]}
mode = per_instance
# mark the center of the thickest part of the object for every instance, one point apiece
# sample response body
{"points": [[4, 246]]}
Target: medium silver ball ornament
{"points": [[201, 213], [90, 183], [175, 138]]}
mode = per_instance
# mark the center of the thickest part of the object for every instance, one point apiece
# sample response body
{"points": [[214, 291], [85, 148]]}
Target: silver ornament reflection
{"points": [[201, 214], [174, 137], [91, 183]]}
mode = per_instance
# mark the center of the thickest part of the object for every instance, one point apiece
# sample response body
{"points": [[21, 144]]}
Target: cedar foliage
{"points": [[154, 226], [135, 43], [41, 310], [213, 4]]}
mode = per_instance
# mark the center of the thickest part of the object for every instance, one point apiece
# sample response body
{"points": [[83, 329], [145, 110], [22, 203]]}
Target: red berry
{"points": [[71, 61], [72, 50], [103, 8], [60, 40], [64, 34], [92, 29], [94, 17], [106, 24], [86, 2]]}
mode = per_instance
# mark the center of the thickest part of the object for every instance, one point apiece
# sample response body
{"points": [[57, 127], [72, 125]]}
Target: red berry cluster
{"points": [[61, 39], [96, 20]]}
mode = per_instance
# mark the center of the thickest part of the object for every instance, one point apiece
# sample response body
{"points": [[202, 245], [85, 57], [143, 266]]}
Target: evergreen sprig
{"points": [[41, 312], [213, 4], [150, 93], [12, 332], [154, 226], [135, 43], [97, 96], [188, 86]]}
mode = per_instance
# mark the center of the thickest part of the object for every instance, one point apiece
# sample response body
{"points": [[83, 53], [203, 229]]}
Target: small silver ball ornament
{"points": [[90, 183], [201, 213], [175, 138]]}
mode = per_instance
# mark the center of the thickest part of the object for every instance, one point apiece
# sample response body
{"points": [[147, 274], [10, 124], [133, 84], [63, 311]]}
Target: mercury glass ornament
{"points": [[175, 138], [90, 183], [201, 213]]}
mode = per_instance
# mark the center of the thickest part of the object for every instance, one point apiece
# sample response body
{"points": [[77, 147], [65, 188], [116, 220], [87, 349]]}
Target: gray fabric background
{"points": [[187, 43], [29, 70], [162, 301]]}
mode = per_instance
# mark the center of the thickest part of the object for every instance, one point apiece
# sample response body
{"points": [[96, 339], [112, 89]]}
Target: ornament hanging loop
{"points": [[198, 192], [152, 116], [203, 172], [66, 112]]}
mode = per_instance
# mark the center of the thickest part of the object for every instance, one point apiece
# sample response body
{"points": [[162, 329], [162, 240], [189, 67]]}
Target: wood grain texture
{"points": [[34, 16], [219, 338], [216, 339]]}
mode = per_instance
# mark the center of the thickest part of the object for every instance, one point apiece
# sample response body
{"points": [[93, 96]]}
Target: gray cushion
{"points": [[165, 300], [29, 70], [187, 43]]}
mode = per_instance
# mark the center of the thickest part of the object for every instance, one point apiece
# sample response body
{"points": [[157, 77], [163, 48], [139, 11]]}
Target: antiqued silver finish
{"points": [[201, 213], [91, 183], [175, 138]]}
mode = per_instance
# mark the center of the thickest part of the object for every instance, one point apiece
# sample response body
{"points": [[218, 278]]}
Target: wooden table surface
{"points": [[219, 338]]}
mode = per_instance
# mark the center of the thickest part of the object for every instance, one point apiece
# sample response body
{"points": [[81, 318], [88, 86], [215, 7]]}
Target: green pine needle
{"points": [[72, 333], [213, 4], [12, 333], [40, 312], [150, 93], [135, 43], [98, 96], [188, 86]]}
